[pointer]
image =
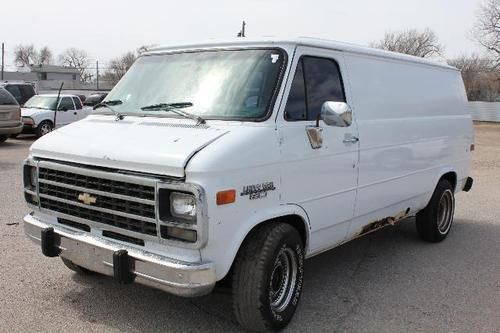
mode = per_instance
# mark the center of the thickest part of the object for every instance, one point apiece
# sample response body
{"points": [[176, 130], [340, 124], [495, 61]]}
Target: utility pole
{"points": [[3, 58], [97, 76], [242, 31]]}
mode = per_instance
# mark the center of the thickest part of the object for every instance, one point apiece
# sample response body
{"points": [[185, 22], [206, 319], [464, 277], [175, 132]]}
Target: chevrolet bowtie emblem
{"points": [[87, 198]]}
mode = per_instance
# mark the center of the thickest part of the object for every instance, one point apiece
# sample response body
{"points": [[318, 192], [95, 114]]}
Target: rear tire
{"points": [[3, 138], [268, 277], [75, 268], [434, 221], [45, 127]]}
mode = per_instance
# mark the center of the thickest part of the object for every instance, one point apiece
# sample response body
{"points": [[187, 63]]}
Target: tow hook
{"points": [[122, 267], [50, 242]]}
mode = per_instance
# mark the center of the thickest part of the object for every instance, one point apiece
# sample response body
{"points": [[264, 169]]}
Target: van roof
{"points": [[298, 41]]}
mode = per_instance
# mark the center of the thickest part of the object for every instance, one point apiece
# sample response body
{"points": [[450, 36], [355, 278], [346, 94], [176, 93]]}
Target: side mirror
{"points": [[63, 108], [337, 114]]}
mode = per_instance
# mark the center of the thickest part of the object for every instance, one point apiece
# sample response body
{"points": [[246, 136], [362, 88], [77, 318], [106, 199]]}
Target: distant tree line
{"points": [[28, 55], [481, 73]]}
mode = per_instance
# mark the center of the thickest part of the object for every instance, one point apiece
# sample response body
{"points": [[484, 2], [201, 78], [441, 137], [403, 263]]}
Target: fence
{"points": [[485, 111]]}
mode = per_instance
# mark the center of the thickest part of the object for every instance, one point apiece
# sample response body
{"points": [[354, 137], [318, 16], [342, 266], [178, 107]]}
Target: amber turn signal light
{"points": [[226, 197]]}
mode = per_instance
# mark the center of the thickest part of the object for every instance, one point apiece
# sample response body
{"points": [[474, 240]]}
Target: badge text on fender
{"points": [[257, 191]]}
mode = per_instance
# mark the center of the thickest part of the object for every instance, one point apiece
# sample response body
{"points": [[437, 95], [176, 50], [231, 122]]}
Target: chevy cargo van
{"points": [[235, 161]]}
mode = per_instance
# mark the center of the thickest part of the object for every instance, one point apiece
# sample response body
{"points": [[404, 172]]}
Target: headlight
{"points": [[183, 206], [28, 121]]}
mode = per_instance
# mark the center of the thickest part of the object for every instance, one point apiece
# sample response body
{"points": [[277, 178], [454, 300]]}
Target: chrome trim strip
{"points": [[30, 192], [99, 226], [104, 210], [98, 173], [105, 194]]}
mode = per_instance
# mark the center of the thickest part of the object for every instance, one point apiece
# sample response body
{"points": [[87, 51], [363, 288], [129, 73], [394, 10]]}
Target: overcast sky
{"points": [[108, 28]]}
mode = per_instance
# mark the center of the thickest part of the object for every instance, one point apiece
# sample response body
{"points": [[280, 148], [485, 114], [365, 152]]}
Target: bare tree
{"points": [[120, 65], [45, 56], [422, 44], [78, 59], [25, 55], [487, 28], [481, 79]]}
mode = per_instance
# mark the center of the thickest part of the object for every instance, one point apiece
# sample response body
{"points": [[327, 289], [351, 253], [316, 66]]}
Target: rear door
{"points": [[322, 180], [10, 112]]}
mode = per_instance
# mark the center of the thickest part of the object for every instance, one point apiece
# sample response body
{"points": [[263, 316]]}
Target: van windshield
{"points": [[222, 84]]}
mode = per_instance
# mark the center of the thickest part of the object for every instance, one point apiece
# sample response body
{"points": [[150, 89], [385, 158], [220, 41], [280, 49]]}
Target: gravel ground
{"points": [[388, 281]]}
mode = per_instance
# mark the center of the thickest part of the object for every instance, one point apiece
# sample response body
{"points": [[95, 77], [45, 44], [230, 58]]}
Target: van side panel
{"points": [[413, 127]]}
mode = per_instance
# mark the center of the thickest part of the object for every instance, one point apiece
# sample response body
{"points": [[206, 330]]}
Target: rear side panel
{"points": [[414, 126]]}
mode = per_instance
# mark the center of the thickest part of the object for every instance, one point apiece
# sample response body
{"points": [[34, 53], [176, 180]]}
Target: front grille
{"points": [[122, 204], [98, 184], [100, 217]]}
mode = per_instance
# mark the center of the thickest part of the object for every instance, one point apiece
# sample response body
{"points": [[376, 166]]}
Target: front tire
{"points": [[268, 277], [45, 127], [434, 221]]}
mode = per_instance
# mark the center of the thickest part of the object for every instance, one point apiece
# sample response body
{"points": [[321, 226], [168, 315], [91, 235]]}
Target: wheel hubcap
{"points": [[45, 129], [445, 211], [283, 279]]}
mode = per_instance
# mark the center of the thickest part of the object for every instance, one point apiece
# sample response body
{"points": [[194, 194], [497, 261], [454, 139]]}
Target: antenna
{"points": [[242, 31], [57, 103]]}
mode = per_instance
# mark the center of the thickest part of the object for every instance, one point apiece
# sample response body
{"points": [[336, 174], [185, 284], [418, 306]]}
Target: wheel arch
{"points": [[293, 215], [450, 176], [51, 121]]}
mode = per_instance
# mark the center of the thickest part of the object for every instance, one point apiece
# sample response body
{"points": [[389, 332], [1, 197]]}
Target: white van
{"points": [[235, 161]]}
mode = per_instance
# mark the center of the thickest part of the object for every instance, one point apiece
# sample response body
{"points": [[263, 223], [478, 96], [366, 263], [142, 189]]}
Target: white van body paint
{"points": [[410, 115]]}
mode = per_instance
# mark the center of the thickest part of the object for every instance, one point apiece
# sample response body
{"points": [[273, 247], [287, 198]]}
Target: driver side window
{"points": [[66, 102], [316, 80]]}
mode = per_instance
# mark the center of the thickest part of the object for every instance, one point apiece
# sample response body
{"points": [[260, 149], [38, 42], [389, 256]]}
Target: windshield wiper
{"points": [[175, 108], [108, 104]]}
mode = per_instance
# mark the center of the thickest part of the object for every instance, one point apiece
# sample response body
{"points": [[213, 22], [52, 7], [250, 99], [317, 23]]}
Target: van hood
{"points": [[151, 145]]}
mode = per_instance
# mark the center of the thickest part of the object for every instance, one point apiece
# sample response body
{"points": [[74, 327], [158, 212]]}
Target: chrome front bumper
{"points": [[126, 264]]}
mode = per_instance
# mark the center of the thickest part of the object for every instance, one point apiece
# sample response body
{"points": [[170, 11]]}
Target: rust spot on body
{"points": [[391, 220]]}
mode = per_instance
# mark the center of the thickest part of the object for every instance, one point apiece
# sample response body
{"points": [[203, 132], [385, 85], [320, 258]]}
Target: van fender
{"points": [[268, 215]]}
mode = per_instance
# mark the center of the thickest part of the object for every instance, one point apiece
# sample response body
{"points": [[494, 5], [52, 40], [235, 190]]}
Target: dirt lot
{"points": [[388, 281]]}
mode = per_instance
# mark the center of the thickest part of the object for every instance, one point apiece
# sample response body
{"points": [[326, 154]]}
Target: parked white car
{"points": [[233, 162], [38, 112]]}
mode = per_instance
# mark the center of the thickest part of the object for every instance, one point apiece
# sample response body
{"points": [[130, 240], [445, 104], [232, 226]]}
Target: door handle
{"points": [[74, 112], [350, 139]]}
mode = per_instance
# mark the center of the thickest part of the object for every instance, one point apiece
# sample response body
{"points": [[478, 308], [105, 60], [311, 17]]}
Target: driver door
{"points": [[66, 112], [321, 178]]}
